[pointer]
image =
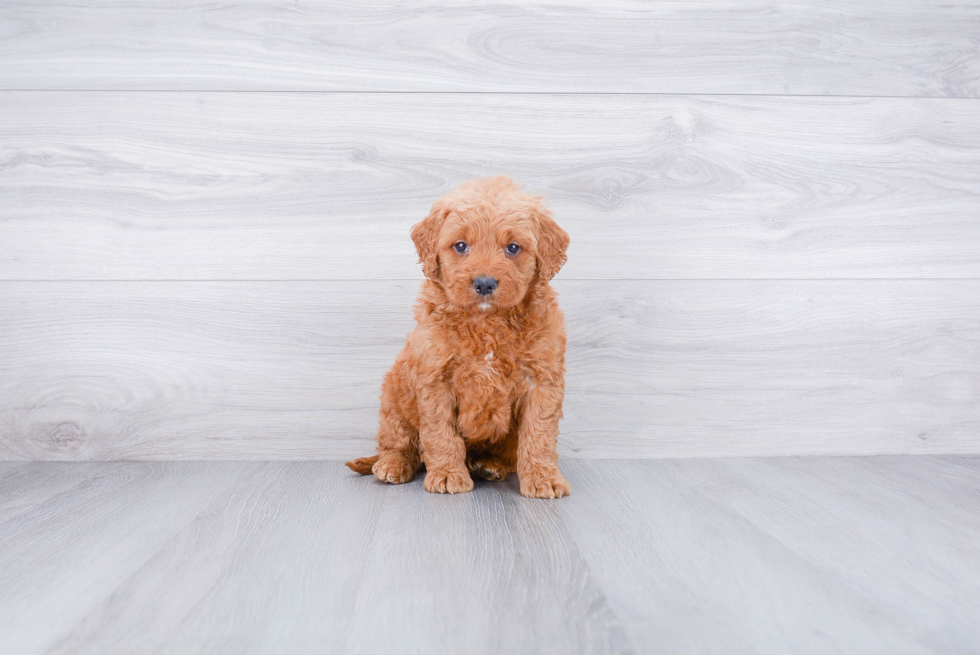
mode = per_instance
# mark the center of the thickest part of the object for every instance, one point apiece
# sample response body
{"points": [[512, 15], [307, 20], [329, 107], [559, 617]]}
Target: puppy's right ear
{"points": [[426, 238]]}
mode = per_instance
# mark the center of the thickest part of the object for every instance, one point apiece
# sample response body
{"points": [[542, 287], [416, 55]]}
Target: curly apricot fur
{"points": [[478, 388]]}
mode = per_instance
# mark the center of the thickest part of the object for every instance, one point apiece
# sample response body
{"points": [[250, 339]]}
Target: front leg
{"points": [[443, 449], [537, 440]]}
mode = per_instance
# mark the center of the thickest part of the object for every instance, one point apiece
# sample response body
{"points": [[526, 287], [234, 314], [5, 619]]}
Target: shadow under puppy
{"points": [[478, 387]]}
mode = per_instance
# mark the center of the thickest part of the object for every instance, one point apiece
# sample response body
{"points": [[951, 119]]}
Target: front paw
{"points": [[545, 483], [442, 481]]}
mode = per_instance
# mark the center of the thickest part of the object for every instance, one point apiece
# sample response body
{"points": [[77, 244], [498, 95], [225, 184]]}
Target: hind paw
{"points": [[488, 469], [394, 468]]}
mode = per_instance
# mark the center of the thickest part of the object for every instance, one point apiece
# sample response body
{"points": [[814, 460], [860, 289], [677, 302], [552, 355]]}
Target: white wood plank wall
{"points": [[204, 215]]}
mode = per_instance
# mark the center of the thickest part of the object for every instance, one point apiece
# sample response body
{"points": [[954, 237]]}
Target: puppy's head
{"points": [[488, 242]]}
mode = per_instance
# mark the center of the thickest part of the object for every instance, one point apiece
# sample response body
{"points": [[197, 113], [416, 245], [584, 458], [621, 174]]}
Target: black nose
{"points": [[484, 285]]}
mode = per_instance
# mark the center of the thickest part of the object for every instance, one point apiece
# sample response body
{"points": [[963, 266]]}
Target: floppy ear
{"points": [[426, 238], [552, 244]]}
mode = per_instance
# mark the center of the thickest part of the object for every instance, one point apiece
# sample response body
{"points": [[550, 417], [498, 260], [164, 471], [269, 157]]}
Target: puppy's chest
{"points": [[486, 384]]}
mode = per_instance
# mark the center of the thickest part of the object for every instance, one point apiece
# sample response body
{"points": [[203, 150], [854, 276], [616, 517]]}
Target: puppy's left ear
{"points": [[552, 244], [425, 235]]}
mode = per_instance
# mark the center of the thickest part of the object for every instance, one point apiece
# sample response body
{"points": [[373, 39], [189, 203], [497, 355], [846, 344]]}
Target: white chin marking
{"points": [[484, 306]]}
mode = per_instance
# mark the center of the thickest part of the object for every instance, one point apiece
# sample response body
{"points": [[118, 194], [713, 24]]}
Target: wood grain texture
{"points": [[23, 488], [802, 555], [937, 599], [291, 370], [306, 557], [489, 572], [272, 565], [326, 186], [68, 554], [742, 555], [907, 47]]}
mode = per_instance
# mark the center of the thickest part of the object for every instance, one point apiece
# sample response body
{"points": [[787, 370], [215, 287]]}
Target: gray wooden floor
{"points": [[831, 554]]}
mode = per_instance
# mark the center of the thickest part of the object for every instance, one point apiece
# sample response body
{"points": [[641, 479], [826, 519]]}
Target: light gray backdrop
{"points": [[204, 216]]}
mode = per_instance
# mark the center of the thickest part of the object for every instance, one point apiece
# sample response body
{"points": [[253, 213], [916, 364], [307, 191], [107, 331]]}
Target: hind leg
{"points": [[394, 467], [398, 443], [488, 469], [493, 462]]}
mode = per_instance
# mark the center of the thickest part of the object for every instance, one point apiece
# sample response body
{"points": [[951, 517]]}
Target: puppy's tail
{"points": [[362, 465]]}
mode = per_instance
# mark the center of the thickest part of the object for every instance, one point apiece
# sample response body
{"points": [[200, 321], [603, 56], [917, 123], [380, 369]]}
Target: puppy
{"points": [[478, 388]]}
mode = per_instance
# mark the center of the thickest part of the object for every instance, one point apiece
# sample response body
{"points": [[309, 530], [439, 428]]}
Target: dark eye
{"points": [[513, 249], [460, 247]]}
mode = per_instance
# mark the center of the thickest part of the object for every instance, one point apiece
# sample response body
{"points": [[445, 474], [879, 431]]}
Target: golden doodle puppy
{"points": [[478, 388]]}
